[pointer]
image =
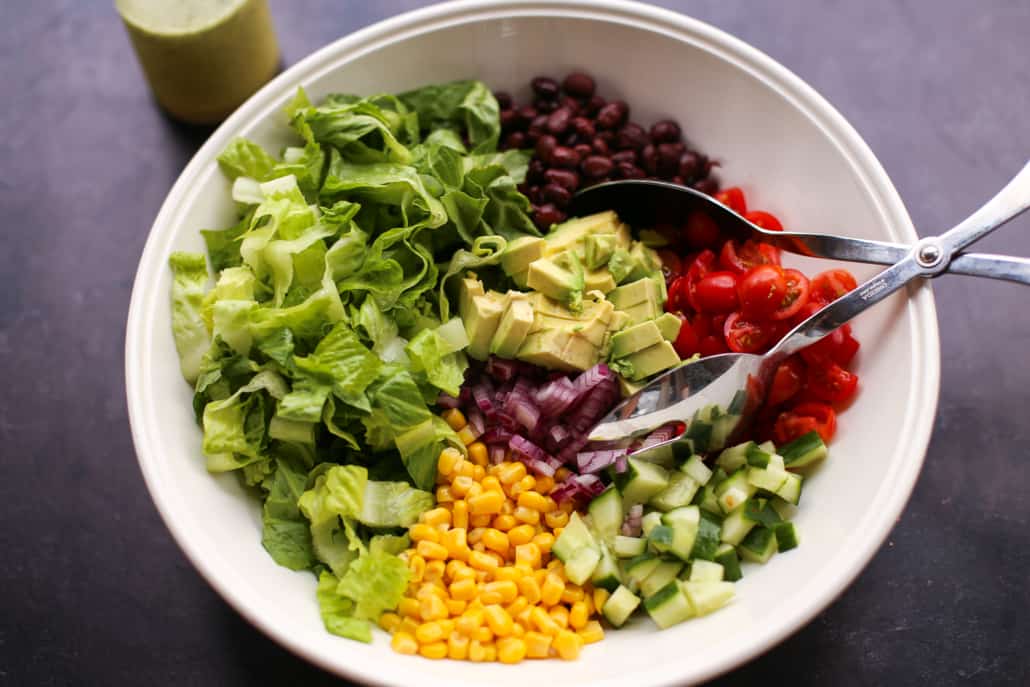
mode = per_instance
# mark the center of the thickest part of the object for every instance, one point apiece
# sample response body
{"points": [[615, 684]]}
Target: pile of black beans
{"points": [[580, 139]]}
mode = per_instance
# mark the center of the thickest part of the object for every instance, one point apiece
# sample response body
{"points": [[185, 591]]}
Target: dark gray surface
{"points": [[94, 592]]}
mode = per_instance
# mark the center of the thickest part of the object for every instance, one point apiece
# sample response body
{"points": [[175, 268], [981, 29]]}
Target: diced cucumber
{"points": [[762, 512], [706, 597], [734, 490], [758, 546], [790, 491], [660, 538], [639, 568], [757, 458], [707, 540], [685, 523], [769, 479], [768, 446], [620, 606], [606, 514], [680, 492], [733, 458], [737, 404], [705, 498], [578, 549], [803, 451], [606, 574], [628, 547], [640, 482], [736, 525], [581, 566], [669, 605], [722, 428], [668, 455], [700, 435], [726, 556], [662, 575], [650, 521], [776, 461], [786, 536], [706, 571], [697, 470]]}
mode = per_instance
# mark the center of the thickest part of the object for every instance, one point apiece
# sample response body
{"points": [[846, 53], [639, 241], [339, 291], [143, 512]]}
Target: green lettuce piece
{"points": [[437, 354], [507, 212], [338, 492], [286, 534], [223, 245], [486, 251], [390, 194], [376, 581], [466, 105], [337, 611], [236, 428], [242, 158], [192, 339], [363, 130], [234, 283], [393, 504]]}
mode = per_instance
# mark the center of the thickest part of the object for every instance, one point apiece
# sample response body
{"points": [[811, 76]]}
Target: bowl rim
{"points": [[921, 309]]}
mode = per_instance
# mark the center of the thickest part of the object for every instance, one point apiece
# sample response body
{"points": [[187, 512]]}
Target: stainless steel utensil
{"points": [[726, 390]]}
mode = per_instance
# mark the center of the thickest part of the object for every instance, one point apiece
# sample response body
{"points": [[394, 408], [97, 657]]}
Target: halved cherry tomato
{"points": [[702, 265], [787, 381], [676, 301], [686, 340], [803, 419], [831, 382], [717, 292], [671, 264], [830, 285], [745, 336], [764, 219], [712, 345], [796, 296], [739, 258], [733, 198], [762, 290], [700, 230], [839, 346]]}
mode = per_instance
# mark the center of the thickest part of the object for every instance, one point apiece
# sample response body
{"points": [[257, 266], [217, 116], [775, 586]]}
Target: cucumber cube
{"points": [[628, 547], [707, 597], [620, 606], [786, 536], [706, 571], [669, 605], [696, 469]]}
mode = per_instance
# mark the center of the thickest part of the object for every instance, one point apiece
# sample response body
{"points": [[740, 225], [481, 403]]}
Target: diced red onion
{"points": [[447, 401], [498, 453], [500, 369], [476, 422], [559, 435], [621, 464], [497, 435], [540, 467], [527, 448], [659, 436], [595, 461], [556, 396], [526, 414], [482, 393]]}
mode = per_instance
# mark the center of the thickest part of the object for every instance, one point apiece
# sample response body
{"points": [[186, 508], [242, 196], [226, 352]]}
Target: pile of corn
{"points": [[483, 585]]}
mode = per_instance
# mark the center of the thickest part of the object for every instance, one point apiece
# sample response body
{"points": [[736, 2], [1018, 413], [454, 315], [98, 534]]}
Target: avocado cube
{"points": [[546, 349], [556, 282], [598, 249], [641, 312], [628, 295], [644, 261], [481, 323], [520, 253], [599, 280], [570, 234], [513, 328], [669, 326], [468, 288], [635, 338], [579, 353], [660, 356]]}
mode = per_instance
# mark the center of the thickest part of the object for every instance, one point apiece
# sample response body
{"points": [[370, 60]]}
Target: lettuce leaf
{"points": [[437, 354], [467, 106], [286, 534], [236, 428], [189, 277], [393, 504]]}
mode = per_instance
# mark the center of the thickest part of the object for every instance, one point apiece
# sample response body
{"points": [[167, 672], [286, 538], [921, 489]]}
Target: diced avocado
{"points": [[520, 279], [644, 260], [623, 235], [545, 349], [598, 280], [592, 330], [669, 325], [521, 252], [468, 288], [554, 281], [567, 235], [628, 295], [597, 249], [620, 265], [629, 388], [481, 323], [636, 338], [619, 320], [656, 358], [513, 328]]}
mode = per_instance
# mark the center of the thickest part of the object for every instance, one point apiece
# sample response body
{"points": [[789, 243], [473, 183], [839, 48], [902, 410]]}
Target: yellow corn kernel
{"points": [[444, 495], [562, 474], [545, 540], [551, 589], [431, 550], [408, 607], [572, 594], [428, 633], [568, 645], [482, 561], [457, 646], [489, 598], [408, 625], [528, 516], [533, 501], [479, 546], [518, 629], [544, 622], [525, 617], [557, 566], [557, 531], [498, 620], [560, 615], [465, 573], [495, 540], [538, 645], [460, 514], [435, 571], [467, 435], [455, 418], [475, 535], [475, 490], [507, 590], [404, 643], [484, 635], [567, 507], [417, 567], [477, 652], [469, 622], [422, 532], [530, 590], [578, 615], [389, 622], [507, 573], [504, 522], [510, 473], [498, 558], [463, 590], [436, 516], [448, 626], [478, 473], [455, 606], [508, 507], [599, 596], [528, 554], [544, 484], [527, 483], [428, 589], [491, 483], [517, 606], [592, 632], [588, 601], [479, 520], [465, 469], [487, 503], [435, 650], [432, 608], [453, 566], [521, 534], [456, 543], [556, 518], [461, 485], [511, 650], [448, 460], [478, 453], [483, 576], [540, 575]]}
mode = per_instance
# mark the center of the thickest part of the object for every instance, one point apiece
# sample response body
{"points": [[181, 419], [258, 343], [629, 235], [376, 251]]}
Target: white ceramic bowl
{"points": [[791, 152]]}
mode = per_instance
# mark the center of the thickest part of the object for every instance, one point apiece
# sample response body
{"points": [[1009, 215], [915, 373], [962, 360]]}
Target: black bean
{"points": [[669, 158], [608, 137], [628, 171], [566, 178], [559, 195], [612, 115], [546, 215], [631, 137], [584, 127], [678, 180], [533, 193], [503, 99], [515, 139], [665, 131], [649, 159], [579, 84], [709, 185], [571, 139], [545, 106], [594, 105], [545, 87], [689, 165], [544, 146], [583, 149], [625, 156], [559, 120], [537, 128], [510, 120], [597, 166], [527, 113], [600, 146], [566, 157], [536, 170]]}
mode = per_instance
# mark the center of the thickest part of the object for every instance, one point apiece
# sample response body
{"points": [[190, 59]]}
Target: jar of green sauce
{"points": [[203, 58]]}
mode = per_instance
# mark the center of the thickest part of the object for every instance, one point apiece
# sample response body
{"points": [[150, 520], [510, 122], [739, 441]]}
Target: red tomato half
{"points": [[762, 291], [717, 292], [686, 341], [796, 296], [671, 264], [733, 198], [745, 336], [702, 265], [803, 419], [676, 300], [839, 346], [764, 219], [830, 285], [787, 382], [700, 231], [831, 382], [712, 345], [739, 258]]}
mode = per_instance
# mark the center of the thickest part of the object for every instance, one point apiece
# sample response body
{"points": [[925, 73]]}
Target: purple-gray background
{"points": [[94, 592]]}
